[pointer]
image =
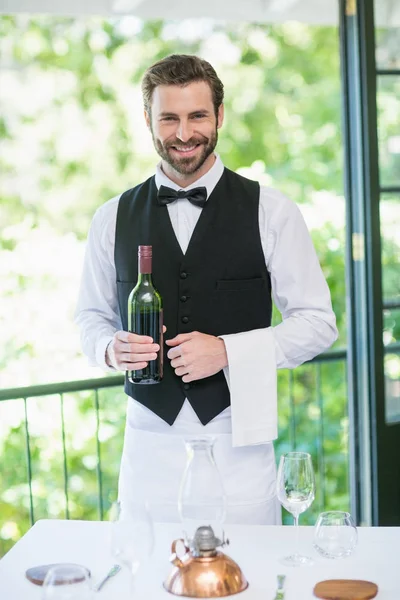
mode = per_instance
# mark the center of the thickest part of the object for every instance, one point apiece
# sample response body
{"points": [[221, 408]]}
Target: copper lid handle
{"points": [[175, 558]]}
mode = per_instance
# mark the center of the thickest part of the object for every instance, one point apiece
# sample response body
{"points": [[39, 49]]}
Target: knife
{"points": [[280, 593], [113, 571]]}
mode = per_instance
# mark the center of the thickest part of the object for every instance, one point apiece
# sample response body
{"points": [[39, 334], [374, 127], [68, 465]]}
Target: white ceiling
{"points": [[324, 12]]}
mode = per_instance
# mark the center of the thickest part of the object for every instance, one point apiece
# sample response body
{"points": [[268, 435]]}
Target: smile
{"points": [[185, 150]]}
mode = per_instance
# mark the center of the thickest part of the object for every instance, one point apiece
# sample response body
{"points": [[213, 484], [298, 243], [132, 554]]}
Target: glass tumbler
{"points": [[335, 534]]}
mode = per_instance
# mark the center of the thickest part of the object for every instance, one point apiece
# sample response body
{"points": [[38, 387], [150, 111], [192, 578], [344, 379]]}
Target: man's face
{"points": [[184, 127]]}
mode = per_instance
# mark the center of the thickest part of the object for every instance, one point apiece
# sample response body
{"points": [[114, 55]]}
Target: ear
{"points": [[147, 118], [220, 118]]}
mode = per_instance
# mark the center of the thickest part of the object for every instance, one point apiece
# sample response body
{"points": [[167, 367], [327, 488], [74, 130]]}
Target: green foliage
{"points": [[50, 476]]}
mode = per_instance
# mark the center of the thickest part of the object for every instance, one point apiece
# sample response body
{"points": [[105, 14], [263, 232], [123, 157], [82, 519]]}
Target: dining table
{"points": [[257, 549]]}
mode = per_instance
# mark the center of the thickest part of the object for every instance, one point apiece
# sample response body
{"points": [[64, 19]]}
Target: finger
{"points": [[140, 357], [139, 348], [128, 366], [187, 378], [133, 359], [164, 329], [178, 362], [174, 352], [179, 339], [135, 348], [127, 336], [181, 371]]}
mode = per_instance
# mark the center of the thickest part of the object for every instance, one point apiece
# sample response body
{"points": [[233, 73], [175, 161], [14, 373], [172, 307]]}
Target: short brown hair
{"points": [[181, 69]]}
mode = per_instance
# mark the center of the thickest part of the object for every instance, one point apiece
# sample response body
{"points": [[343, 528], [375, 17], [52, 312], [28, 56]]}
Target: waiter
{"points": [[223, 248]]}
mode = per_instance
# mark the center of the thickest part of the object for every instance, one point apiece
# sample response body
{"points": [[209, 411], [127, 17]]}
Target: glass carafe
{"points": [[202, 499]]}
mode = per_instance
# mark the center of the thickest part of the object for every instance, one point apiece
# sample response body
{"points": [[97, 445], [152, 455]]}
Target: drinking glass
{"points": [[296, 490], [132, 535], [67, 582], [335, 534]]}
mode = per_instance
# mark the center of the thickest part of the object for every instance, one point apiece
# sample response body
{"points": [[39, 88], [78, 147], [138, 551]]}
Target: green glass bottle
{"points": [[145, 317]]}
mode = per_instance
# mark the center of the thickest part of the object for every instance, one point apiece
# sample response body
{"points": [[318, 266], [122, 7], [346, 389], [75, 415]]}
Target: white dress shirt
{"points": [[299, 291]]}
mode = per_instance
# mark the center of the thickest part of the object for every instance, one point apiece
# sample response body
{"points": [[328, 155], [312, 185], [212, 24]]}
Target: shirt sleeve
{"points": [[97, 313], [299, 288]]}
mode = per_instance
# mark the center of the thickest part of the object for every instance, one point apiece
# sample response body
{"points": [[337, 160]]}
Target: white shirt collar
{"points": [[208, 180]]}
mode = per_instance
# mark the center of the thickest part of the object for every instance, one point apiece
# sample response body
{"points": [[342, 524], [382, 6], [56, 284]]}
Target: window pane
{"points": [[392, 388], [388, 48], [389, 129], [387, 34], [391, 326], [390, 231], [313, 416], [391, 340]]}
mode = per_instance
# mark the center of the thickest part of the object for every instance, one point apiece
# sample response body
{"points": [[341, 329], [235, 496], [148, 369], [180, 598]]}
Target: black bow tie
{"points": [[197, 196]]}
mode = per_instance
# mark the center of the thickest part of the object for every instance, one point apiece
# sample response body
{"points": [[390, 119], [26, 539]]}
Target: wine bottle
{"points": [[145, 317]]}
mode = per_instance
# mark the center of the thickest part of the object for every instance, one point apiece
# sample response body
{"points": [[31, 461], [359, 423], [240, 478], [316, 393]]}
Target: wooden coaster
{"points": [[37, 574], [345, 589]]}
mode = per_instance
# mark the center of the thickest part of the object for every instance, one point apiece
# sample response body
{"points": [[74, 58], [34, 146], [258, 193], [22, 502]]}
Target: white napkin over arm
{"points": [[252, 380]]}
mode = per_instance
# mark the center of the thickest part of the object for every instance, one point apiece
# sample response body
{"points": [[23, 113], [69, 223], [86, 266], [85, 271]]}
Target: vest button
{"points": [[184, 275], [183, 298], [185, 319], [186, 386]]}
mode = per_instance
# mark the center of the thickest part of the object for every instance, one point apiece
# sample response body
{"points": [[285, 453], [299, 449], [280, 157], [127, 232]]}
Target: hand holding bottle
{"points": [[130, 351]]}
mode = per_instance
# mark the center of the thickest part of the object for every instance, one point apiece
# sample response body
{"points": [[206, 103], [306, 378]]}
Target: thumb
{"points": [[179, 339]]}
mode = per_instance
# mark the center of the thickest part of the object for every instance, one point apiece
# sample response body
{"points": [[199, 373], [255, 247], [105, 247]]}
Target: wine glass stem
{"points": [[131, 583], [296, 524]]}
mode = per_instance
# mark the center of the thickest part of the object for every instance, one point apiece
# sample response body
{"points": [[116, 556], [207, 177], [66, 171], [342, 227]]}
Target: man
{"points": [[222, 246]]}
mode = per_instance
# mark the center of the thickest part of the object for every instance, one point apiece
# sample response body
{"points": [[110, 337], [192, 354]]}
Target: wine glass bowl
{"points": [[295, 486], [335, 534]]}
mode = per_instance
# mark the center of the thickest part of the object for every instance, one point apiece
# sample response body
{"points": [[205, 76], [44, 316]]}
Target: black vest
{"points": [[220, 286]]}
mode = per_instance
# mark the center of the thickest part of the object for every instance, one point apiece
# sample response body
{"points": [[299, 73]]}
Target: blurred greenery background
{"points": [[73, 136]]}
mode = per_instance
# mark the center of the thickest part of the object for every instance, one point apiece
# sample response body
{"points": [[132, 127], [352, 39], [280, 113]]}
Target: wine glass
{"points": [[335, 534], [296, 491], [67, 582], [132, 535]]}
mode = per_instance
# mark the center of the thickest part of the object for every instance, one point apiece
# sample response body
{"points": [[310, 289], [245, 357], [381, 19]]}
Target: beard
{"points": [[186, 165]]}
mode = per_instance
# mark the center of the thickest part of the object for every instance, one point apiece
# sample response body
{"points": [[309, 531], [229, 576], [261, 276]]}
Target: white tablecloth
{"points": [[257, 549]]}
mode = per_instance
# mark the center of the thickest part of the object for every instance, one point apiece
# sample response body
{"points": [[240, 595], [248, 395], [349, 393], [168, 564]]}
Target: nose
{"points": [[184, 131]]}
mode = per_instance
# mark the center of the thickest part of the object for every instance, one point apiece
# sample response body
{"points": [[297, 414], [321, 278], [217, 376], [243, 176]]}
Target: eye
{"points": [[169, 118], [199, 116]]}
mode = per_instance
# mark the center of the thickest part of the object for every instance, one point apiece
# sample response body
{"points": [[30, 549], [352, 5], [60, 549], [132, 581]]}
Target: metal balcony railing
{"points": [[308, 380]]}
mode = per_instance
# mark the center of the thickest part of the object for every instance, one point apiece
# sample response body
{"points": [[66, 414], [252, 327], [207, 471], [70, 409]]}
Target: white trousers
{"points": [[153, 464]]}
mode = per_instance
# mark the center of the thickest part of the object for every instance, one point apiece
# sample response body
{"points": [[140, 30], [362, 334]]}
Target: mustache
{"points": [[192, 142]]}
